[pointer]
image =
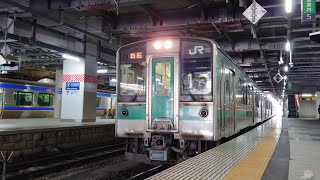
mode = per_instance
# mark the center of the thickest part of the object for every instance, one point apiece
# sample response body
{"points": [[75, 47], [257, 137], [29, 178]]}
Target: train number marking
{"points": [[195, 50]]}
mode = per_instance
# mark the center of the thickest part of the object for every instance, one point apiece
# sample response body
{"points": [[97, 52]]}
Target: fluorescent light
{"points": [[113, 80], [101, 71], [288, 46], [288, 6], [285, 77], [286, 68], [69, 57], [140, 78], [306, 95], [259, 81]]}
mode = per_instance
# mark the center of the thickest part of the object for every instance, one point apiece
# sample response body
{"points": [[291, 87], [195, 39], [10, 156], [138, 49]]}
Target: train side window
{"points": [[23, 98], [240, 97], [249, 95], [98, 100], [45, 99]]}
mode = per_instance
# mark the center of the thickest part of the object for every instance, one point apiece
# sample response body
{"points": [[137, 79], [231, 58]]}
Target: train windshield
{"points": [[132, 81], [132, 74], [196, 69]]}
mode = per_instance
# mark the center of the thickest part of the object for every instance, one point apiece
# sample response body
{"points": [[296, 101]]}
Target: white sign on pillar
{"points": [[79, 89], [318, 103]]}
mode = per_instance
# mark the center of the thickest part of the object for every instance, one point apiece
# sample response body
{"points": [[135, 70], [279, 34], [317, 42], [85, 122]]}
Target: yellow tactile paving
{"points": [[254, 164]]}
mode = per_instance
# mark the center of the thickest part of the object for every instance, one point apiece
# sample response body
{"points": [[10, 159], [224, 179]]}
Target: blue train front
{"points": [[177, 97]]}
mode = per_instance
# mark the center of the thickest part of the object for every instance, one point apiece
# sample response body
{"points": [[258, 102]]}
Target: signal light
{"points": [[167, 44], [157, 45]]}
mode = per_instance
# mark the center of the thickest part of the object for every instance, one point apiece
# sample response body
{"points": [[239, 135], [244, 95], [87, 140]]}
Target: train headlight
{"points": [[157, 45], [203, 113], [124, 112], [167, 44]]}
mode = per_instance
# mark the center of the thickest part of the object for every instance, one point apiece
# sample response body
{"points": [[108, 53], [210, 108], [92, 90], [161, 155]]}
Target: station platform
{"points": [[44, 135], [32, 124], [280, 148]]}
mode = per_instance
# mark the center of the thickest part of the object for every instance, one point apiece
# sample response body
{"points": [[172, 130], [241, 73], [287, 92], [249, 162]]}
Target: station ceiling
{"points": [[43, 29]]}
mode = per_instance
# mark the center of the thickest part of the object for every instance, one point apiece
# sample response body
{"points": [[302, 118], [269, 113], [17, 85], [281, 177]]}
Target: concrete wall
{"points": [[308, 109], [25, 143]]}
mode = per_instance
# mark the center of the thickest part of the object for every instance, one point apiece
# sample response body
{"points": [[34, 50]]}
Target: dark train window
{"points": [[248, 95], [240, 96], [23, 98], [45, 99], [257, 100], [98, 100], [196, 67]]}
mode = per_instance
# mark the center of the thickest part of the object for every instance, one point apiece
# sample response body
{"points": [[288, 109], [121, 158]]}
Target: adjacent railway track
{"points": [[57, 163]]}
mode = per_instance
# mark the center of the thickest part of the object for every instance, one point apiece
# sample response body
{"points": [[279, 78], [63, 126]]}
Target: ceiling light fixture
{"points": [[101, 71], [285, 77], [286, 68], [306, 95], [70, 57], [288, 6], [288, 46]]}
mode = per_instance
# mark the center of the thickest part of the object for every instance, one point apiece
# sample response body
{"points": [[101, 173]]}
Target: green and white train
{"points": [[177, 97]]}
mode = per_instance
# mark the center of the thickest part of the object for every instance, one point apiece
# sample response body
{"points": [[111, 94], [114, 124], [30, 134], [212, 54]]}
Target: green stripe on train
{"points": [[134, 112], [139, 113]]}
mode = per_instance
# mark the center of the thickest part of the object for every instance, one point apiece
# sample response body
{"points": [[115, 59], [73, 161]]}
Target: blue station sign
{"points": [[72, 85]]}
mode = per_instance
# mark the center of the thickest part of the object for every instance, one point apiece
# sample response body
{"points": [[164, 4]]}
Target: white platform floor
{"points": [[9, 125], [304, 138]]}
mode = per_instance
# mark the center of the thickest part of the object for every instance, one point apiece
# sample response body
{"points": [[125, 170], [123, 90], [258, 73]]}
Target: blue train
{"points": [[27, 99]]}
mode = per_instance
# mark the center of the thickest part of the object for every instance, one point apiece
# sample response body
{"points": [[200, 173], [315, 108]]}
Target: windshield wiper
{"points": [[134, 97], [191, 95]]}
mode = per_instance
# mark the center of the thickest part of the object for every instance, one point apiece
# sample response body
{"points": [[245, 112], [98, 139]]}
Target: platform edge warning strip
{"points": [[255, 163]]}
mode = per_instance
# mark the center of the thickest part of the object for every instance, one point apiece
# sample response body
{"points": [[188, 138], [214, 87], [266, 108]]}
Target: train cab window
{"points": [[163, 79], [132, 81], [23, 98], [45, 99], [196, 68], [98, 101], [132, 69]]}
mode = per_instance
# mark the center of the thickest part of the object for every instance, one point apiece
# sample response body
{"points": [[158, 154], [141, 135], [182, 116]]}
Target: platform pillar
{"points": [[285, 106], [318, 102], [58, 94], [79, 89]]}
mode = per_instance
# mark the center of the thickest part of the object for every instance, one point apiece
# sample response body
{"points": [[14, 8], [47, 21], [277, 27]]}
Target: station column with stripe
{"points": [[79, 88], [58, 94]]}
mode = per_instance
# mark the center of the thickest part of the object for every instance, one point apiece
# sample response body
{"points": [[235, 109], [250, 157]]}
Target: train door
{"points": [[162, 94], [228, 102], [1, 101]]}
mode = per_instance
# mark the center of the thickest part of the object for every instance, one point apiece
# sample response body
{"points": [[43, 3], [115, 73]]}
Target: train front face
{"points": [[165, 97]]}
